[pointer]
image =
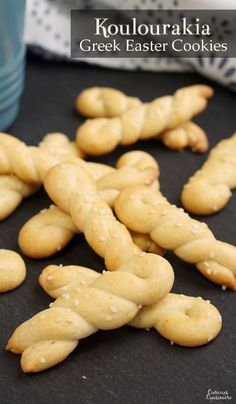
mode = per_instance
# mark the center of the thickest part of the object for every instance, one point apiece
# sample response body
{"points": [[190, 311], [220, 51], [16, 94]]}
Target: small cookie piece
{"points": [[208, 190], [12, 270]]}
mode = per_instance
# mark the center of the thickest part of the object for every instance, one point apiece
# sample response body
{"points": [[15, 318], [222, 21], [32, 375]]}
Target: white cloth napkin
{"points": [[48, 31]]}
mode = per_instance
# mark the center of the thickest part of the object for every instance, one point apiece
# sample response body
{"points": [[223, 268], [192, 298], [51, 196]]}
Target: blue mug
{"points": [[12, 59]]}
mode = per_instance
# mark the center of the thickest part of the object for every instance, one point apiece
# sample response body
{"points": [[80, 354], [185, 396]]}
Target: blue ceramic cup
{"points": [[12, 59]]}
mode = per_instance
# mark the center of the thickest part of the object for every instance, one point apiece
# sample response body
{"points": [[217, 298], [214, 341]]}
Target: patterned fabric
{"points": [[48, 32]]}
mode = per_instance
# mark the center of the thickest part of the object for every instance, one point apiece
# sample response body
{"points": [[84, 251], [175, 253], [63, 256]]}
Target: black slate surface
{"points": [[125, 365]]}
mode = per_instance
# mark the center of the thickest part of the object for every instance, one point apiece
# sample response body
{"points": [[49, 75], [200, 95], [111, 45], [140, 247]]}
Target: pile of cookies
{"points": [[125, 219]]}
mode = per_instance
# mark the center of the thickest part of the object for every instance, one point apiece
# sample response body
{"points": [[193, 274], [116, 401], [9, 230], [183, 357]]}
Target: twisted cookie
{"points": [[109, 301], [30, 163], [185, 320], [12, 192], [12, 270], [14, 189], [173, 229], [91, 215], [208, 190], [99, 102], [53, 228], [102, 135]]}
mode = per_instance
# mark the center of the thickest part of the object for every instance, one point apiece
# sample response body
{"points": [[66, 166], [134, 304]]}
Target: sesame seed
{"points": [[42, 359], [58, 320], [104, 271], [206, 264], [224, 287], [114, 309], [50, 277], [32, 323], [82, 282], [182, 295], [164, 212], [43, 210], [199, 297], [171, 342], [209, 271], [108, 318], [115, 235], [208, 301], [66, 296], [188, 307], [86, 296], [60, 266], [76, 303], [220, 319], [42, 316], [59, 248], [142, 254], [178, 224], [211, 255], [102, 238], [139, 306], [208, 315], [215, 208], [147, 329], [84, 377], [187, 186], [148, 181], [52, 207], [50, 305]]}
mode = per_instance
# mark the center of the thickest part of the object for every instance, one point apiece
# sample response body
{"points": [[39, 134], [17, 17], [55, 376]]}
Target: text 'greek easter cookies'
{"points": [[102, 135], [208, 190], [105, 102], [110, 301], [173, 229], [12, 270]]}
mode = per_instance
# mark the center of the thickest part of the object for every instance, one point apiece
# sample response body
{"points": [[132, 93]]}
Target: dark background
{"points": [[125, 365]]}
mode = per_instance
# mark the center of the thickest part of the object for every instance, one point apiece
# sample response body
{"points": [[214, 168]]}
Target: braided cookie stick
{"points": [[53, 228], [108, 302], [185, 320], [30, 163], [208, 191], [14, 189], [102, 135], [12, 270], [100, 102], [173, 229], [12, 192], [91, 215]]}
